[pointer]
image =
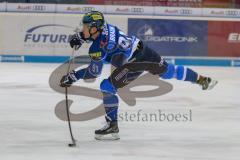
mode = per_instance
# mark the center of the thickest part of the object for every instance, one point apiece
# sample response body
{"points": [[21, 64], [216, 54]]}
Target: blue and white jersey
{"points": [[109, 43]]}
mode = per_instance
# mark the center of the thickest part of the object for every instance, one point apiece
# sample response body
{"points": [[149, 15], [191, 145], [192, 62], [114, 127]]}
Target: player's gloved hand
{"points": [[69, 79], [77, 40]]}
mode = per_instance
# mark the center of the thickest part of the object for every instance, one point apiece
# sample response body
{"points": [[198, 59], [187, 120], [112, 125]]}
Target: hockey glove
{"points": [[77, 40], [68, 80]]}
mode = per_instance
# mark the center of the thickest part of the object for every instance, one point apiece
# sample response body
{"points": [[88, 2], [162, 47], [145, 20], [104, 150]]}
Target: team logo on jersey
{"points": [[95, 55]]}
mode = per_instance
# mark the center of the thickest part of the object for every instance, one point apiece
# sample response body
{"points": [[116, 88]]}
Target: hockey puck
{"points": [[72, 145]]}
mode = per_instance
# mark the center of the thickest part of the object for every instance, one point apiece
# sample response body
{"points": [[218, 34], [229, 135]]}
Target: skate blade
{"points": [[212, 84], [109, 137]]}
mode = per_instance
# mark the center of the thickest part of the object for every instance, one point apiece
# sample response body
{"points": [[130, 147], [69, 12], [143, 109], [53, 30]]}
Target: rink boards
{"points": [[43, 37], [191, 61]]}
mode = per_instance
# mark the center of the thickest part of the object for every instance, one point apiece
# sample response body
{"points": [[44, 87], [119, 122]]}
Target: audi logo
{"points": [[88, 9], [137, 10], [232, 13], [185, 11], [39, 8]]}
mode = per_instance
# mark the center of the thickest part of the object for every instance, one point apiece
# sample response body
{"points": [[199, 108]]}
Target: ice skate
{"points": [[108, 132], [207, 83]]}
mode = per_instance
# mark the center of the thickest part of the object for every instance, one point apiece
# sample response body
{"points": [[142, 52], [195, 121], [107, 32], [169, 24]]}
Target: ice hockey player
{"points": [[111, 45]]}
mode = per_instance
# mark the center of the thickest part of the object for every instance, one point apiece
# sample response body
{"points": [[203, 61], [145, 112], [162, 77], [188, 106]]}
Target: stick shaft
{"points": [[66, 100]]}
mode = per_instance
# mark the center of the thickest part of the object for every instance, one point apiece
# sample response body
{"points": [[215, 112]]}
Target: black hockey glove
{"points": [[68, 80], [77, 40]]}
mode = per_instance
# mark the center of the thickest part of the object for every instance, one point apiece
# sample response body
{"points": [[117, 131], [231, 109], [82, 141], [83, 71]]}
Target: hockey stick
{"points": [[73, 144]]}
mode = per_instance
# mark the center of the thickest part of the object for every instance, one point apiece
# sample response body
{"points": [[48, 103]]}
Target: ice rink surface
{"points": [[30, 130]]}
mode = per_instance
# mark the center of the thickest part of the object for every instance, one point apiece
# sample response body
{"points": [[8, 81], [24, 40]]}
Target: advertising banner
{"points": [[174, 10], [129, 10], [217, 12], [30, 7], [29, 34], [48, 35], [178, 11], [172, 37], [224, 38], [63, 8]]}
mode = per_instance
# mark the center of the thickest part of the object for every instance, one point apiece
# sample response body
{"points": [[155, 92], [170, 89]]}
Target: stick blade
{"points": [[72, 145]]}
